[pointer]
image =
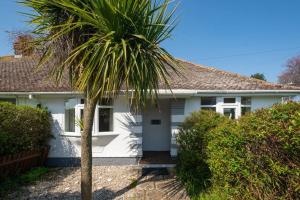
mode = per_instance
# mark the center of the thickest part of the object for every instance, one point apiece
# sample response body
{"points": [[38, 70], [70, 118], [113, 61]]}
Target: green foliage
{"points": [[107, 45], [256, 157], [14, 183], [259, 76], [23, 128], [192, 168]]}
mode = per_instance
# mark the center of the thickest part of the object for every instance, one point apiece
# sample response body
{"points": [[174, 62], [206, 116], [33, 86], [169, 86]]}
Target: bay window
{"points": [[74, 111], [70, 120], [105, 115]]}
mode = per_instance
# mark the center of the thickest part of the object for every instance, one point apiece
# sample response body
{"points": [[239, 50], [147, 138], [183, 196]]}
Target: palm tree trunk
{"points": [[86, 149]]}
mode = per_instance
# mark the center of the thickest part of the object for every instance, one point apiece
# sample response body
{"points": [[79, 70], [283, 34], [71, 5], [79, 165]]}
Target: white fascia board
{"points": [[180, 92], [248, 92]]}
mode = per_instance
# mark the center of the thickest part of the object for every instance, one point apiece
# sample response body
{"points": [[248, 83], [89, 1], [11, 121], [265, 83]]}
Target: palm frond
{"points": [[112, 45]]}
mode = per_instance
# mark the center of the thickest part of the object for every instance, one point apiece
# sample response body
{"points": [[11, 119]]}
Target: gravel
{"points": [[109, 182]]}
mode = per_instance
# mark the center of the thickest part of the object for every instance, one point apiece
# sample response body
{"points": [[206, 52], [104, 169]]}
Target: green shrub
{"points": [[23, 128], [260, 156], [192, 168], [256, 157]]}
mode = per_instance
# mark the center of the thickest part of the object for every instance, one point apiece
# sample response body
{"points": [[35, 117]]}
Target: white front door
{"points": [[156, 126]]}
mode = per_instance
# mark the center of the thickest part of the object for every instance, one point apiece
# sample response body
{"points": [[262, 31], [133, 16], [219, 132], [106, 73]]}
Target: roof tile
{"points": [[21, 75]]}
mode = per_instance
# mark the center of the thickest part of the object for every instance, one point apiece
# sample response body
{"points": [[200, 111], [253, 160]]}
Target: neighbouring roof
{"points": [[21, 75]]}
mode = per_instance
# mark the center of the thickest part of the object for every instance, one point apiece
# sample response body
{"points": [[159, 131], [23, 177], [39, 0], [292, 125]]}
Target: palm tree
{"points": [[106, 46]]}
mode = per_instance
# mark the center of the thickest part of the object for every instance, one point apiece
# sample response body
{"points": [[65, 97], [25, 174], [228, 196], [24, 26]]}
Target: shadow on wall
{"points": [[62, 146], [69, 146], [134, 134]]}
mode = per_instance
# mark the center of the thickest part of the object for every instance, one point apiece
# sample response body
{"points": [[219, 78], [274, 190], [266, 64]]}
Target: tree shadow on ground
{"points": [[169, 188]]}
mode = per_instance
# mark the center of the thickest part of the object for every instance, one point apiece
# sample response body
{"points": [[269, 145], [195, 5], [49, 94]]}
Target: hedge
{"points": [[256, 157], [23, 128], [192, 168]]}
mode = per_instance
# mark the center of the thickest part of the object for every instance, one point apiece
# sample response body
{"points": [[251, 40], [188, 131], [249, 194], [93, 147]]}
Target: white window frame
{"points": [[209, 106], [76, 103], [236, 105], [220, 105], [246, 106], [96, 122]]}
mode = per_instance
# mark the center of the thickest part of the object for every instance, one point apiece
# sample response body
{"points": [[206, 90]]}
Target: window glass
{"points": [[229, 112], [246, 110], [208, 101], [70, 120], [246, 101], [229, 100], [81, 119], [209, 108], [105, 119]]}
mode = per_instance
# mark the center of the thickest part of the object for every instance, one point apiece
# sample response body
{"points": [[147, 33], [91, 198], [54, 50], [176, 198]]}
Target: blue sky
{"points": [[243, 36]]}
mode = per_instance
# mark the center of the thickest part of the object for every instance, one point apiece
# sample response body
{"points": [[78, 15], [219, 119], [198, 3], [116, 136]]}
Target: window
{"points": [[70, 120], [80, 123], [105, 115], [229, 100], [245, 105], [74, 114], [208, 103], [205, 101], [246, 110], [246, 101], [229, 112]]}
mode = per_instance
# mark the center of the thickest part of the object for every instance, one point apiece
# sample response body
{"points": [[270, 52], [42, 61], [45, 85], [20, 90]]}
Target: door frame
{"points": [[168, 121]]}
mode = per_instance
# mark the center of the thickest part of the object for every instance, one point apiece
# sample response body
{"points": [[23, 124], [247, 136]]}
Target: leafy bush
{"points": [[256, 157], [259, 156], [23, 128], [192, 168]]}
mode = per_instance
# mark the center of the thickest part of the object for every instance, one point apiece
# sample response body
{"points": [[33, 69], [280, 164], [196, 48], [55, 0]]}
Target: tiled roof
{"points": [[21, 75], [201, 77]]}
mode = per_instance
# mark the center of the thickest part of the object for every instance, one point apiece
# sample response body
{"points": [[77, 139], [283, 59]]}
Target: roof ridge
{"points": [[215, 69]]}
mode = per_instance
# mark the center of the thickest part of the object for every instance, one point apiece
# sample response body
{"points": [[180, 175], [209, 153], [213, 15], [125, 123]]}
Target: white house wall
{"points": [[123, 142], [126, 139], [263, 102]]}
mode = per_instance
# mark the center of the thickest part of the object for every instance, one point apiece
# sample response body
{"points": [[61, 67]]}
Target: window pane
{"points": [[229, 100], [246, 100], [105, 102], [209, 108], [81, 119], [208, 101], [245, 110], [105, 119], [70, 120], [229, 112]]}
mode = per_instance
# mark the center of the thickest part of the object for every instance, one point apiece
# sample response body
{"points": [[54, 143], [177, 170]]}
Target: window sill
{"points": [[75, 134]]}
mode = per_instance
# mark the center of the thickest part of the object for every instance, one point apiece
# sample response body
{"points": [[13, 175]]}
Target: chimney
{"points": [[22, 46]]}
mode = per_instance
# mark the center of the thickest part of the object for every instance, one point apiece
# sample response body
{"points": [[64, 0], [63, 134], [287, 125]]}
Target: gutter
{"points": [[180, 92]]}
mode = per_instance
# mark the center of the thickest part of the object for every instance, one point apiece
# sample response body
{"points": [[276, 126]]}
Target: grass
{"points": [[213, 194], [14, 183], [133, 183]]}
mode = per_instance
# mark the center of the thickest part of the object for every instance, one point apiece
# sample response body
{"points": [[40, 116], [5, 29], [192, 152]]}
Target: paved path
{"points": [[117, 182]]}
